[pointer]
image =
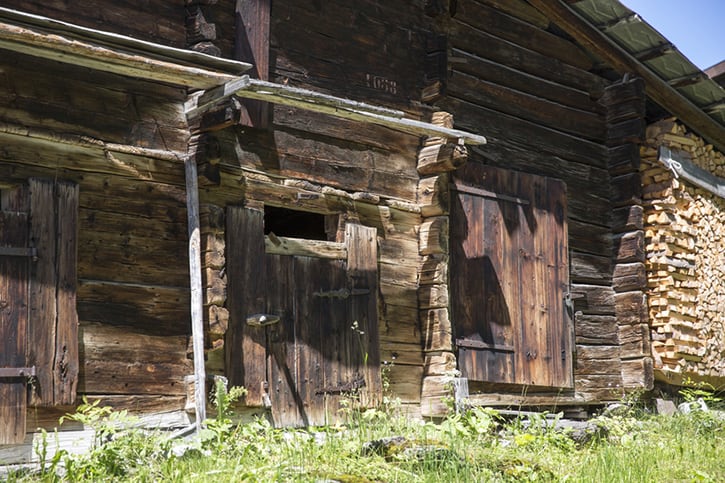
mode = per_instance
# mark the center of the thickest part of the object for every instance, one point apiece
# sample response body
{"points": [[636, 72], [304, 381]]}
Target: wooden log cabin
{"points": [[297, 196]]}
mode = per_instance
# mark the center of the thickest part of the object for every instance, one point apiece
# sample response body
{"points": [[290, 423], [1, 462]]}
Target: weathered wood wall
{"points": [[685, 262], [67, 123], [514, 77], [511, 75]]}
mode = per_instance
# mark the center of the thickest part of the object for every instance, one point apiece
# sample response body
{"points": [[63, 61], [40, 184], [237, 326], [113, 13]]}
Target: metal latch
{"points": [[17, 371]]}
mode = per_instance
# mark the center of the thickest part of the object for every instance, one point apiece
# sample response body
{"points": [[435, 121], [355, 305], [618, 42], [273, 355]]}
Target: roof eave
{"points": [[109, 52]]}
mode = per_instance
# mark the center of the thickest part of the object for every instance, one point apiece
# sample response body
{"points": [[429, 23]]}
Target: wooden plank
{"points": [[493, 21], [275, 245], [503, 75], [479, 263], [246, 281], [529, 107], [560, 334], [14, 333], [65, 365], [530, 229], [43, 286], [42, 150], [589, 268], [118, 360], [195, 288], [488, 45], [362, 274], [282, 359], [344, 130], [118, 257], [113, 377], [521, 135], [154, 309]]}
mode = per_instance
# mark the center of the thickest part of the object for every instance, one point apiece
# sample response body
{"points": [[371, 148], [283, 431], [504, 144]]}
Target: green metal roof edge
{"points": [[630, 31]]}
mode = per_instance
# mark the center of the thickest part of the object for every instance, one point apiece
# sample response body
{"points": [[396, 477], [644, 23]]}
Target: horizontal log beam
{"points": [[89, 142], [275, 245]]}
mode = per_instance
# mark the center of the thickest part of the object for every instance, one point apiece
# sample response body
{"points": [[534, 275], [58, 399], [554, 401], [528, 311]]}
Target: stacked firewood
{"points": [[685, 247]]}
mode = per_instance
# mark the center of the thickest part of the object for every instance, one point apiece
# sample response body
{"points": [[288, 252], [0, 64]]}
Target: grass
{"points": [[478, 445]]}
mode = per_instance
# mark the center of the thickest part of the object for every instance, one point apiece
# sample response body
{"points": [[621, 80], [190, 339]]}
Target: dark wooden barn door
{"points": [[510, 277], [38, 320], [303, 320]]}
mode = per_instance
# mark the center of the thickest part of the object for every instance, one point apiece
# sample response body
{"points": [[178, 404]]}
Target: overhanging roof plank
{"points": [[327, 104], [657, 88], [688, 80], [72, 44], [656, 51]]}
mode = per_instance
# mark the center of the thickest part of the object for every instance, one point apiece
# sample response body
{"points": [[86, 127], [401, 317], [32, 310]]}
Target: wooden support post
{"points": [[197, 302], [251, 43]]}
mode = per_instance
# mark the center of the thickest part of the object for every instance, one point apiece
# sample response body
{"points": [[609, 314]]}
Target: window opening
{"points": [[294, 224]]}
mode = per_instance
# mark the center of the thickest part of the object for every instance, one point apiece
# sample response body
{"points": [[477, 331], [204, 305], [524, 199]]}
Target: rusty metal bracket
{"points": [[17, 371]]}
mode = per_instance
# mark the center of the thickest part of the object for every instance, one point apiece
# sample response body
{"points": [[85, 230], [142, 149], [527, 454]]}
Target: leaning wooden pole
{"points": [[197, 302]]}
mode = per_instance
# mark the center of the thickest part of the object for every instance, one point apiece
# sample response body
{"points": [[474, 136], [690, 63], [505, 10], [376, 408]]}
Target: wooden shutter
{"points": [[39, 324], [246, 272], [53, 329], [14, 271], [510, 277]]}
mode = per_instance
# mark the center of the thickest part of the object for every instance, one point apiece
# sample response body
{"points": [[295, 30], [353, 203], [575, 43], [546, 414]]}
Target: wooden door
{"points": [[303, 320], [510, 277]]}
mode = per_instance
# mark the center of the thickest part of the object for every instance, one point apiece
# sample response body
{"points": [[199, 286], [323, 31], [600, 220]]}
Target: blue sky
{"points": [[696, 27]]}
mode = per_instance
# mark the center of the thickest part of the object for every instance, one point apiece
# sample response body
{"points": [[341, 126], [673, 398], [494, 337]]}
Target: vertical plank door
{"points": [[509, 277], [323, 346]]}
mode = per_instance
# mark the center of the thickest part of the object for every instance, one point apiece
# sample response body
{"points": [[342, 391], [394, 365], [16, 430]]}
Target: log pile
{"points": [[685, 249]]}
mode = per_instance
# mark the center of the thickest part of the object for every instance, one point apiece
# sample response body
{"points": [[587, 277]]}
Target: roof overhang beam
{"points": [[249, 88]]}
